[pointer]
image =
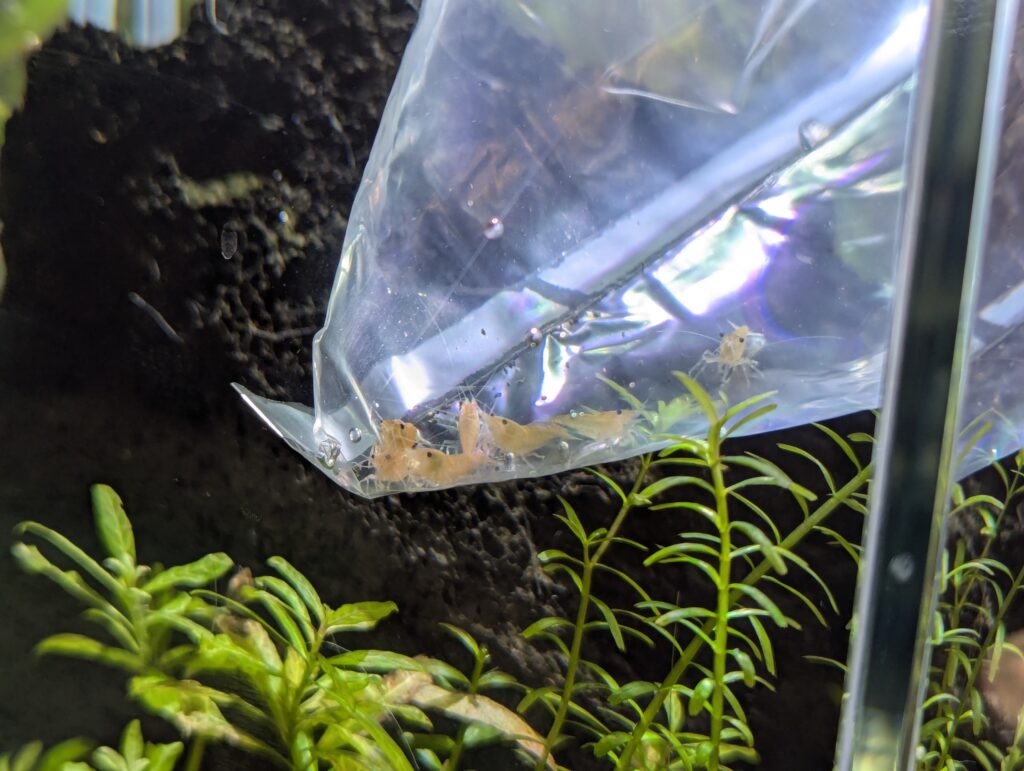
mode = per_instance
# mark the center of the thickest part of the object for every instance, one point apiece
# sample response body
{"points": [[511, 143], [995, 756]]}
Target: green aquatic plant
{"points": [[23, 26], [259, 666], [968, 638], [32, 757], [143, 611], [133, 754], [744, 557]]}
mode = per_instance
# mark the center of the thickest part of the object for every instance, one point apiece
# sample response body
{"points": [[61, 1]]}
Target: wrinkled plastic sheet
{"points": [[568, 201]]}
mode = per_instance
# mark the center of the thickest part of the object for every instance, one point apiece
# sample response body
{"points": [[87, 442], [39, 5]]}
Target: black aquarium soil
{"points": [[171, 224]]}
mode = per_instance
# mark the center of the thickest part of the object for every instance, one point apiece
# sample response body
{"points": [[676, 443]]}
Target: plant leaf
{"points": [[162, 757], [611, 621], [82, 647], [417, 688], [301, 585], [701, 693], [357, 616], [132, 745], [69, 549], [112, 525], [291, 598], [193, 709], [203, 571], [31, 560]]}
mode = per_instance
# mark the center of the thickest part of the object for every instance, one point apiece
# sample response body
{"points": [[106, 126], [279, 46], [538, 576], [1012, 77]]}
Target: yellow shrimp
{"points": [[390, 456], [600, 426], [735, 352], [519, 439], [438, 468], [396, 458], [398, 434], [469, 426]]}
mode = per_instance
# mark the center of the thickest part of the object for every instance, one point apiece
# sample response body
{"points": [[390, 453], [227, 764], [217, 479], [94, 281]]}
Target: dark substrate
{"points": [[122, 326]]}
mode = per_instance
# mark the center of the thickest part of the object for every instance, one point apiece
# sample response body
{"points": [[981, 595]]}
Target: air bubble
{"points": [[533, 337], [632, 384], [901, 567], [228, 243], [563, 447], [328, 452], [494, 229], [355, 435], [574, 414], [813, 133]]}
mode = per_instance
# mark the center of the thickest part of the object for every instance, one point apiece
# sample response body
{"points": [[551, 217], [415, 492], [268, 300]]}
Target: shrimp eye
{"points": [[504, 422], [387, 456], [618, 412], [430, 454], [721, 334], [742, 339]]}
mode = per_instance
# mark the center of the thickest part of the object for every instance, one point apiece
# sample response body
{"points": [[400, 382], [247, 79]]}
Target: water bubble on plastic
{"points": [[534, 337], [355, 435], [228, 243], [328, 451], [510, 461], [813, 133], [494, 229]]}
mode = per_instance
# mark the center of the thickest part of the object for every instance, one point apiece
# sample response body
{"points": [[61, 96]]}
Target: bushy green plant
{"points": [[255, 667], [32, 757], [747, 562]]}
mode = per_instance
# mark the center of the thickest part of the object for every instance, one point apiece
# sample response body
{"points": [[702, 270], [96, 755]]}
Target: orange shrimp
{"points": [[509, 436]]}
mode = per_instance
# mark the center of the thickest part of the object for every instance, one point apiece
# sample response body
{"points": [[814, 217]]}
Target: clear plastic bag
{"points": [[569, 200]]}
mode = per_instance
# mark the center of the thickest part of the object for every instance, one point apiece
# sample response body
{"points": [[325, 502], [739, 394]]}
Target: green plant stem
{"points": [[721, 639], [798, 534], [195, 753], [586, 580], [452, 763]]}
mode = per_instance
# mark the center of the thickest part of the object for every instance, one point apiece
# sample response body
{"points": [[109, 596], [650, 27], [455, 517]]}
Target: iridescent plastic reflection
{"points": [[569, 200], [992, 414]]}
